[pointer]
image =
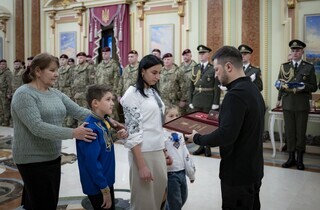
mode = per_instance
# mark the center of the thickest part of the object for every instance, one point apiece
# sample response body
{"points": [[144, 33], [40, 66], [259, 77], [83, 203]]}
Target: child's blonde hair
{"points": [[171, 106]]}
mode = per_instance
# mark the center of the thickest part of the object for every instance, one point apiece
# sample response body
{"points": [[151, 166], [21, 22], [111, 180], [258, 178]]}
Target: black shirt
{"points": [[240, 133]]}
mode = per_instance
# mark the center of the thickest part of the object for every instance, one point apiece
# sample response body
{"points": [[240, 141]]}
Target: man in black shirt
{"points": [[239, 136]]}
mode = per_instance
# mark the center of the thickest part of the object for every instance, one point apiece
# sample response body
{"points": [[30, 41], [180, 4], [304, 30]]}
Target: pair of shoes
{"points": [[199, 151], [207, 152], [300, 165]]}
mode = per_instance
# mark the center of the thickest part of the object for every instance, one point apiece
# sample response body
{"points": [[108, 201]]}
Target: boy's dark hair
{"points": [[228, 54], [96, 92], [146, 62]]}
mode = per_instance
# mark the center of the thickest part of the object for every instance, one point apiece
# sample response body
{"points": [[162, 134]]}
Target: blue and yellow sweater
{"points": [[96, 160]]}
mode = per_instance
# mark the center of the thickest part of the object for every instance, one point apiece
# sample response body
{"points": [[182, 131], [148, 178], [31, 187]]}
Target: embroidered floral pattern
{"points": [[132, 119]]}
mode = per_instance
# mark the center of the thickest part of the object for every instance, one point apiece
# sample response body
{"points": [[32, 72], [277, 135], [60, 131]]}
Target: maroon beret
{"points": [[186, 51], [167, 55]]}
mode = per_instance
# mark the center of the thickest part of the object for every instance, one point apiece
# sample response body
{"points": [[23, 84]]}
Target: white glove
{"points": [[191, 106], [214, 106], [253, 77], [302, 87], [224, 88]]}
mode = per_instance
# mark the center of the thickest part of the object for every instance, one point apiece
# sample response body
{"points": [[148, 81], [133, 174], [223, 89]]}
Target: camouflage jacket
{"points": [[170, 85], [186, 75], [65, 77], [128, 78], [17, 79], [6, 81], [108, 74], [82, 76]]}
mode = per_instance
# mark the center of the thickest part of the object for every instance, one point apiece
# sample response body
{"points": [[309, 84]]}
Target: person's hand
{"points": [[191, 106], [107, 202], [190, 136], [116, 125], [253, 77], [182, 104], [83, 133], [214, 107], [122, 134], [145, 174], [278, 104]]}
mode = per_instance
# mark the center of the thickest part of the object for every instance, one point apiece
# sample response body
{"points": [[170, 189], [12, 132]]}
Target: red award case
{"points": [[202, 122]]}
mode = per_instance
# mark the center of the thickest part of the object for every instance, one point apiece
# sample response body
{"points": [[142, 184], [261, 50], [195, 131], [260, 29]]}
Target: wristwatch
{"points": [[105, 190]]}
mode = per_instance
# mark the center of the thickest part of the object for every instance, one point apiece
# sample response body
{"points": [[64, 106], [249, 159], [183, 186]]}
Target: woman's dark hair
{"points": [[41, 61], [146, 62]]}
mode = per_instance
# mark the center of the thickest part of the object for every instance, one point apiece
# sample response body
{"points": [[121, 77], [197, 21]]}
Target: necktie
{"points": [[295, 68], [202, 67], [156, 96]]}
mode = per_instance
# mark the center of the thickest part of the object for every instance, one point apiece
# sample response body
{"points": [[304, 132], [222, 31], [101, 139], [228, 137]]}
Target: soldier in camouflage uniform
{"points": [[108, 73], [204, 89], [129, 74], [17, 75], [5, 92], [185, 69], [71, 63], [64, 83], [83, 76], [156, 52], [170, 81]]}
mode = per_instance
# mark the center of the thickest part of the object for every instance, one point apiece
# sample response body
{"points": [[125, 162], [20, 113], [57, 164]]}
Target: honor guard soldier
{"points": [[250, 71], [296, 81], [204, 89], [71, 62], [185, 70]]}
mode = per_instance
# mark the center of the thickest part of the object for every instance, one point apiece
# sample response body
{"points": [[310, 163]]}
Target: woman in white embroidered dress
{"points": [[144, 110]]}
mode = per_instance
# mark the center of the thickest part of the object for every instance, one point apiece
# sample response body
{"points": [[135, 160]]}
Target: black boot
{"points": [[291, 161], [300, 165], [207, 151], [199, 151]]}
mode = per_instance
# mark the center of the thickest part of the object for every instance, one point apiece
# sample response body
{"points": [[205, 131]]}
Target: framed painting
{"points": [[161, 37], [311, 38], [68, 43]]}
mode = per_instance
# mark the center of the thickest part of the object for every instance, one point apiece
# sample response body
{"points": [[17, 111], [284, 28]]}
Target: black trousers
{"points": [[244, 197], [97, 200], [41, 184]]}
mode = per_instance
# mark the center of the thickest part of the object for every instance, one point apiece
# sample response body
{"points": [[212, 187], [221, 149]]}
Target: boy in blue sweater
{"points": [[96, 160]]}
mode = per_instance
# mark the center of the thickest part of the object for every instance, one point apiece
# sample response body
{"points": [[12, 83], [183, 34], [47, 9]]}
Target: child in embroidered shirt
{"points": [[181, 166], [96, 160]]}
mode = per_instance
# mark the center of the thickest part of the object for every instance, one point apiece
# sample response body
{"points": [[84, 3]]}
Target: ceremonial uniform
{"points": [[295, 102], [250, 71], [17, 79], [204, 90]]}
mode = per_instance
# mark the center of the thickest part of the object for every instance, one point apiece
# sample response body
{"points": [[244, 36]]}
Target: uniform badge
{"points": [[208, 79], [304, 77]]}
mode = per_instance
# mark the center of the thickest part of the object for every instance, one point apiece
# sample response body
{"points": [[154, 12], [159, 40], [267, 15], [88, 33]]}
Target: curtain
{"points": [[104, 16]]}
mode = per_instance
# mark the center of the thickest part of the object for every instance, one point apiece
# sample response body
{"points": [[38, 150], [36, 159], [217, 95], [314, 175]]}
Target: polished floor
{"points": [[281, 188]]}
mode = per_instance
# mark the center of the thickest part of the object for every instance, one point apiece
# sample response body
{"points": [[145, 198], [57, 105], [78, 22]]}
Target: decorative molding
{"points": [[140, 6], [4, 17], [80, 11], [181, 4], [52, 16], [291, 4]]}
